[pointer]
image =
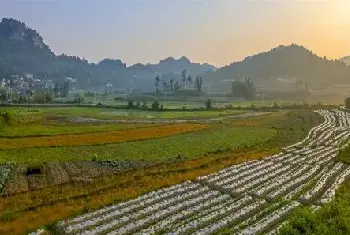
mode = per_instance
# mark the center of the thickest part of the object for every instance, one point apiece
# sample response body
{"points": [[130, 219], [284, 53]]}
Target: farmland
{"points": [[100, 138], [75, 167], [248, 198]]}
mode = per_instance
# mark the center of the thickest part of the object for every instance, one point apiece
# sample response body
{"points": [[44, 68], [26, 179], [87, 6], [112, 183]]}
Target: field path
{"points": [[249, 198]]}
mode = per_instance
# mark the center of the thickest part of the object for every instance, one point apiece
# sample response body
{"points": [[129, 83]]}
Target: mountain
{"points": [[23, 50], [172, 65], [291, 62], [346, 60]]}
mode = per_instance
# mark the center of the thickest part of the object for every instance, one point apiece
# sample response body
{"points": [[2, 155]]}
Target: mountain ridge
{"points": [[23, 50], [285, 61]]}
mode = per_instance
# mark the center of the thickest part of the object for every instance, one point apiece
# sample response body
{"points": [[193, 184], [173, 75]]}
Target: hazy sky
{"points": [[213, 31]]}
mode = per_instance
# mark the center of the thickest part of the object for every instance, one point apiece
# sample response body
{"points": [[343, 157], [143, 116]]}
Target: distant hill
{"points": [[172, 65], [22, 50], [346, 60], [286, 62]]}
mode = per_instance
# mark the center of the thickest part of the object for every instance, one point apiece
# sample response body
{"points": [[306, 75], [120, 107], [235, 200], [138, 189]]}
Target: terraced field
{"points": [[250, 198]]}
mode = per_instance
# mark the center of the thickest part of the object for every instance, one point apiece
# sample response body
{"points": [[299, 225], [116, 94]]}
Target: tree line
{"points": [[187, 83]]}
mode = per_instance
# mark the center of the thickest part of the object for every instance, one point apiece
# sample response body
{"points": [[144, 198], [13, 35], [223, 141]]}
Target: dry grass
{"points": [[28, 211], [100, 138]]}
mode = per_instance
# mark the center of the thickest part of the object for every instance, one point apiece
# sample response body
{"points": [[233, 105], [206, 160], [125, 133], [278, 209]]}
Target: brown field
{"points": [[100, 137], [25, 212], [55, 173]]}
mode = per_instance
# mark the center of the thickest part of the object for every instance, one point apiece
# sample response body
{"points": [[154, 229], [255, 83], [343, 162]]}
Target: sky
{"points": [[206, 31]]}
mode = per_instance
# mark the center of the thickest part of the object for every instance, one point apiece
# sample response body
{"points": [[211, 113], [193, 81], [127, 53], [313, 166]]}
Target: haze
{"points": [[213, 31]]}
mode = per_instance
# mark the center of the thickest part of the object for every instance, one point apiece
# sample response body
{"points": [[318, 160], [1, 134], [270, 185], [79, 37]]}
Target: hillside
{"points": [[346, 60], [286, 62], [23, 50]]}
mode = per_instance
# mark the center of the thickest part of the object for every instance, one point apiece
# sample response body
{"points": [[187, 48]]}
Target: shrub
{"points": [[144, 105], [130, 104], [208, 104], [6, 119], [155, 105]]}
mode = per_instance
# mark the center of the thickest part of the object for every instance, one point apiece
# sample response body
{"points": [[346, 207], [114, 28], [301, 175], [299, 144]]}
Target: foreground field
{"points": [[228, 143], [248, 198]]}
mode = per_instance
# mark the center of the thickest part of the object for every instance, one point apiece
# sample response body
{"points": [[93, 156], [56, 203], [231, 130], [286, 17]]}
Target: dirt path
{"points": [[86, 120]]}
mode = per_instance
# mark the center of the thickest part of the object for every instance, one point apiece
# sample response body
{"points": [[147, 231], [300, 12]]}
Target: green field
{"points": [[24, 114], [55, 121], [272, 131], [186, 146]]}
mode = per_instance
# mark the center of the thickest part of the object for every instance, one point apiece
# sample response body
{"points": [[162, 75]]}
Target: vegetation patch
{"points": [[190, 145], [332, 218], [344, 155], [100, 138]]}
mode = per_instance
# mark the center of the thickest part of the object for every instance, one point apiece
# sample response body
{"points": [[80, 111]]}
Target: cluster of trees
{"points": [[187, 83], [154, 106], [30, 96], [244, 89], [62, 90]]}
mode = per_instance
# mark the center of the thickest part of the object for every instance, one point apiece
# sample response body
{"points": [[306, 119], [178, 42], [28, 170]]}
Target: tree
{"points": [[184, 78], [198, 83], [156, 83], [171, 84], [244, 89], [347, 103], [144, 105], [43, 97], [177, 86], [79, 98], [208, 104], [65, 88], [155, 105], [165, 86], [189, 80], [56, 89], [130, 104]]}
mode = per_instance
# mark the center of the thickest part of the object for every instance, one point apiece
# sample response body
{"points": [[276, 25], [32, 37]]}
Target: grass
{"points": [[333, 218], [100, 137], [344, 155]]}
